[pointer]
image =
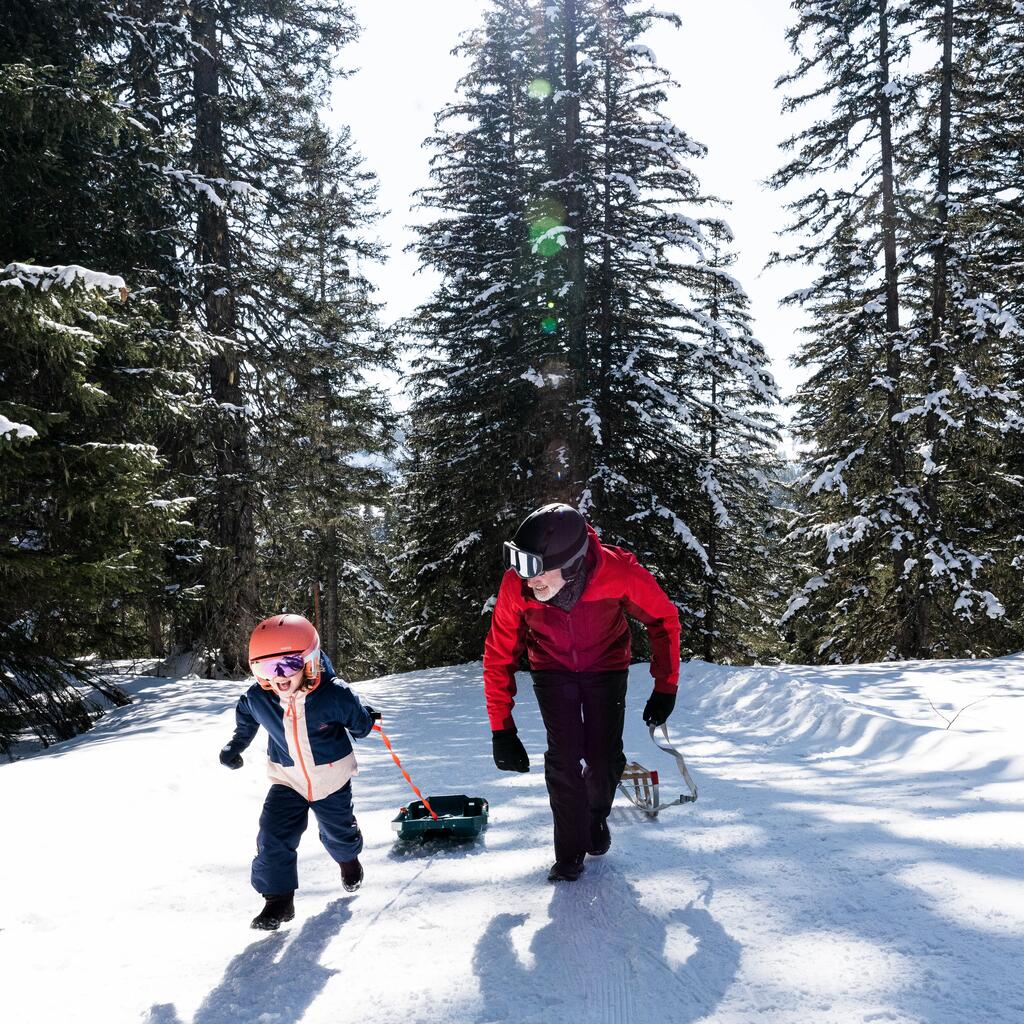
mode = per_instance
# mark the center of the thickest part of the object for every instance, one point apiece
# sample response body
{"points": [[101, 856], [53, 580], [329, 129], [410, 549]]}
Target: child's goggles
{"points": [[279, 667]]}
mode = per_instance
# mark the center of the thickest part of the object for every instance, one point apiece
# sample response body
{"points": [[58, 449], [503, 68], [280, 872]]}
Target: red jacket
{"points": [[593, 637]]}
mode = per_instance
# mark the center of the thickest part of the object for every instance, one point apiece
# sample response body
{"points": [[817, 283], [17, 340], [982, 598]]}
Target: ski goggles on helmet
{"points": [[279, 667], [526, 563], [529, 564]]}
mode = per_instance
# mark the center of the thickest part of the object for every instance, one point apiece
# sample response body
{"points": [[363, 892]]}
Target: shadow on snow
{"points": [[601, 958], [256, 979]]}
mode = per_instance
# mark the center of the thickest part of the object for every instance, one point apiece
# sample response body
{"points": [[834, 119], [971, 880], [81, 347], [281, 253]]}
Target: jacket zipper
{"points": [[298, 749], [572, 643]]}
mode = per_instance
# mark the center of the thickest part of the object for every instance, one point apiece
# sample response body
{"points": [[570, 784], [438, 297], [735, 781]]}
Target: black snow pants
{"points": [[583, 714]]}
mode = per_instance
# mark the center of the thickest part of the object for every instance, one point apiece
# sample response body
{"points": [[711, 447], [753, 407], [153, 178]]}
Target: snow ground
{"points": [[849, 860]]}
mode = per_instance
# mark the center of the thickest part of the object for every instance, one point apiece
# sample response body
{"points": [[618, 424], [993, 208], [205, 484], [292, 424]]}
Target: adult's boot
{"points": [[600, 837], [566, 871], [280, 907]]}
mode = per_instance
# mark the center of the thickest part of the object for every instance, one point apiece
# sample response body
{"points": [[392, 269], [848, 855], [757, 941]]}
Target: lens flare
{"points": [[549, 324], [547, 236], [547, 222], [539, 89]]}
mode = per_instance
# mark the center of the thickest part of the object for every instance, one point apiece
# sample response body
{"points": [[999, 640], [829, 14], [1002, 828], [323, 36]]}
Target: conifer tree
{"points": [[734, 395], [902, 416], [861, 507], [147, 38], [661, 310], [77, 502], [158, 147], [483, 421], [963, 324], [997, 128], [598, 185], [326, 434], [239, 85], [88, 374]]}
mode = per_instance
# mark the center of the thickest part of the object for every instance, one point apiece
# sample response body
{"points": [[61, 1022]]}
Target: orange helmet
{"points": [[281, 635]]}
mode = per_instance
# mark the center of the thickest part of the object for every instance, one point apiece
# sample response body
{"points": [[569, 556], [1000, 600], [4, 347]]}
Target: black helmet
{"points": [[553, 537]]}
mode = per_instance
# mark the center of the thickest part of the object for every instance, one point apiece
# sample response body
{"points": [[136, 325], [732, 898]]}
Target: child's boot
{"points": [[351, 874], [280, 908]]}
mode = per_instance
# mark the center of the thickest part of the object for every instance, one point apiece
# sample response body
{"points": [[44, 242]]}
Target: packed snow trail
{"points": [[849, 860]]}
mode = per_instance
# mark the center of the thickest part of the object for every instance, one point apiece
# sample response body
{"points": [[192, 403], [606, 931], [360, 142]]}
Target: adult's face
{"points": [[547, 584]]}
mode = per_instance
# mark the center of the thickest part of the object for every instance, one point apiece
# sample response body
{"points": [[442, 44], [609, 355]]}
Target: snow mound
{"points": [[882, 712]]}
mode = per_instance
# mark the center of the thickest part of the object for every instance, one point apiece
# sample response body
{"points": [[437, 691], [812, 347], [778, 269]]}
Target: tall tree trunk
{"points": [[232, 601], [327, 572], [572, 186], [711, 578], [893, 358], [155, 628], [516, 209], [892, 301], [937, 336], [607, 276], [147, 99]]}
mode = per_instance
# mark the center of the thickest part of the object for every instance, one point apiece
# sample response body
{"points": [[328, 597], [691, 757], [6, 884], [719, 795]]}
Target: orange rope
{"points": [[387, 743]]}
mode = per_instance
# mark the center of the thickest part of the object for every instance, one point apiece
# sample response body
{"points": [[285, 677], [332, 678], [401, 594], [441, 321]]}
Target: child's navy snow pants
{"points": [[583, 714], [282, 823]]}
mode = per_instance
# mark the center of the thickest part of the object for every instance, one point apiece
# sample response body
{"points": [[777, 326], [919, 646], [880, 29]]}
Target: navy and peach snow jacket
{"points": [[309, 748], [592, 637]]}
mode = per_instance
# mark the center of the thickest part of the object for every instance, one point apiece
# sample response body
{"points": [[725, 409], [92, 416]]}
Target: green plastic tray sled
{"points": [[458, 817]]}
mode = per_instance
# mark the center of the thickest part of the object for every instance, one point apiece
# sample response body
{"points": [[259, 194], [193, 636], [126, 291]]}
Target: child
{"points": [[308, 712]]}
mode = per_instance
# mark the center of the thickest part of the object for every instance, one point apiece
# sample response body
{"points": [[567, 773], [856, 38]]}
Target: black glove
{"points": [[229, 758], [658, 707], [375, 715], [509, 753]]}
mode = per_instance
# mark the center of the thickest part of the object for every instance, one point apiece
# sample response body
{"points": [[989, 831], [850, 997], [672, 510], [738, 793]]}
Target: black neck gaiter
{"points": [[573, 589]]}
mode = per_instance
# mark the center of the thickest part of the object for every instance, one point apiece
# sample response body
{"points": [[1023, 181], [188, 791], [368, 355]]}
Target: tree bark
{"points": [[937, 335], [711, 581], [607, 275], [893, 356], [147, 98], [573, 199], [892, 302], [232, 602]]}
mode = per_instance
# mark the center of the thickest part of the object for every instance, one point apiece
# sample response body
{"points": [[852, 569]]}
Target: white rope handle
{"points": [[669, 749]]}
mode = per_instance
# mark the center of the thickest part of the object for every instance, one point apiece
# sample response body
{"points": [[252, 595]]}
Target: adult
{"points": [[564, 599]]}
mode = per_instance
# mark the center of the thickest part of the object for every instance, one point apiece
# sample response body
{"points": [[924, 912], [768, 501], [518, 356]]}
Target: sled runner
{"points": [[458, 817], [641, 786]]}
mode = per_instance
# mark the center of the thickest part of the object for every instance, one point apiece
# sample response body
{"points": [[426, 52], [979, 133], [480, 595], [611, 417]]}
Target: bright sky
{"points": [[725, 58]]}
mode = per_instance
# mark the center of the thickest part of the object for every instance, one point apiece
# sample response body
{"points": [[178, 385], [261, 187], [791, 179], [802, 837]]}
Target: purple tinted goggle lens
{"points": [[278, 668], [526, 563]]}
